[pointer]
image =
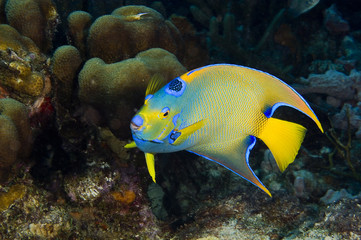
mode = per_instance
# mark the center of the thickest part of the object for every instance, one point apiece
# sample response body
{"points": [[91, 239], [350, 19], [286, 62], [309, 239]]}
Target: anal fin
{"points": [[233, 155]]}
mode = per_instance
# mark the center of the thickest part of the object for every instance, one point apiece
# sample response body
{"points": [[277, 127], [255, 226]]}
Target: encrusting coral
{"points": [[14, 193], [130, 30], [36, 19], [11, 38], [21, 64], [117, 89], [15, 134], [78, 24]]}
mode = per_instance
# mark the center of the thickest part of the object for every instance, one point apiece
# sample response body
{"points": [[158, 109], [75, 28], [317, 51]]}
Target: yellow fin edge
{"points": [[149, 158], [155, 83], [130, 145]]}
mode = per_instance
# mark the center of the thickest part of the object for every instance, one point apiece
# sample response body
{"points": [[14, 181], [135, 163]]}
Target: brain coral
{"points": [[78, 24], [130, 30], [35, 19], [15, 134], [117, 89]]}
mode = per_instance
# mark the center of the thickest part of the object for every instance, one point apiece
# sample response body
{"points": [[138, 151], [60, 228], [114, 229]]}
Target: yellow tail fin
{"points": [[284, 140]]}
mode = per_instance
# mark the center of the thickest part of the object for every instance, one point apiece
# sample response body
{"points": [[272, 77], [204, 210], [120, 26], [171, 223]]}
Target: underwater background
{"points": [[73, 73]]}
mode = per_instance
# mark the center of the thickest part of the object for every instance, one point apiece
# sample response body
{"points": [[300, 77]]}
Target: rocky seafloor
{"points": [[73, 73]]}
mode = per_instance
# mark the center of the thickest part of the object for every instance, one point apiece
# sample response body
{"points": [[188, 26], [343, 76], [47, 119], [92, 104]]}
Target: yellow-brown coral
{"points": [[18, 56], [78, 24], [22, 79], [65, 64], [15, 134], [11, 38], [117, 89], [35, 19], [130, 30], [14, 193]]}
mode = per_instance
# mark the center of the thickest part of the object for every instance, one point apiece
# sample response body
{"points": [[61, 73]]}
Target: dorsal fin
{"points": [[155, 83]]}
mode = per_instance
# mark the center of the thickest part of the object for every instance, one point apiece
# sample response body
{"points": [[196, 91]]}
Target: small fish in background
{"points": [[298, 7], [217, 112], [134, 17]]}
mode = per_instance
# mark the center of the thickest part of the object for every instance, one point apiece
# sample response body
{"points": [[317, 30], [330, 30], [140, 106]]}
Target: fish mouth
{"points": [[133, 126], [157, 141]]}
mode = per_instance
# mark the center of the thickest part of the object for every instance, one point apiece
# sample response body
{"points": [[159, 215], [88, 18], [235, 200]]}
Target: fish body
{"points": [[217, 112]]}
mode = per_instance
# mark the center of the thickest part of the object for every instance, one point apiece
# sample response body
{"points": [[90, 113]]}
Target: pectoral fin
{"points": [[233, 155], [130, 145], [181, 135], [149, 158]]}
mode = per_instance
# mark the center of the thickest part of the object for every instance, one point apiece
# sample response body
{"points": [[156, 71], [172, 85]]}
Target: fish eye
{"points": [[164, 113]]}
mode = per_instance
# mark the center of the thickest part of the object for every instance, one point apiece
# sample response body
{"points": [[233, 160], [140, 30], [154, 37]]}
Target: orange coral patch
{"points": [[126, 197]]}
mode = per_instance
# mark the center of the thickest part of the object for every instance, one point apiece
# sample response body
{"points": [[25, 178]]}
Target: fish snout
{"points": [[136, 123]]}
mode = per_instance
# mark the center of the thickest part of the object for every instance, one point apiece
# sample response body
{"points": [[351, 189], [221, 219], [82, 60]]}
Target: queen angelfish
{"points": [[217, 112]]}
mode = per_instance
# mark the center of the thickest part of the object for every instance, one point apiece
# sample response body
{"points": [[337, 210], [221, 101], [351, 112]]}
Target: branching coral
{"points": [[343, 149], [37, 22], [117, 89]]}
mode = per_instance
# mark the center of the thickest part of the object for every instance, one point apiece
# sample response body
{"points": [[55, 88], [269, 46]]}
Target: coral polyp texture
{"points": [[11, 38], [78, 24], [15, 135], [66, 61], [36, 19], [117, 89], [130, 30]]}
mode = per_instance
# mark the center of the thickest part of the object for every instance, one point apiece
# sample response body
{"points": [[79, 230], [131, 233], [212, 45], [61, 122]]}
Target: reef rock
{"points": [[117, 89], [332, 83], [334, 22]]}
